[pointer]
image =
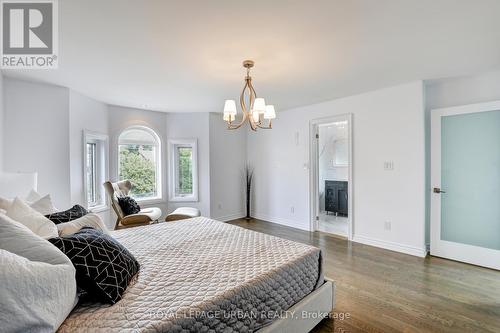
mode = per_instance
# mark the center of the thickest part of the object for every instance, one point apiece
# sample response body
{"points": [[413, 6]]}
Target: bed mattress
{"points": [[200, 275]]}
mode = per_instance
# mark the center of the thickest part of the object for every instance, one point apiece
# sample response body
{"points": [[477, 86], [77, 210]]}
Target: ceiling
{"points": [[183, 56]]}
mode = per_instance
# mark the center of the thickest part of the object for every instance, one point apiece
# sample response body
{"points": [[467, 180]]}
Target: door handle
{"points": [[438, 190]]}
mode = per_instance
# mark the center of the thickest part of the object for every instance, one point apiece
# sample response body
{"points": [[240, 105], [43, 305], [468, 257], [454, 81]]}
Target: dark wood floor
{"points": [[385, 291]]}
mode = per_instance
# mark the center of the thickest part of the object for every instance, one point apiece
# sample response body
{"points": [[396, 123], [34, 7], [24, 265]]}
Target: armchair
{"points": [[144, 217]]}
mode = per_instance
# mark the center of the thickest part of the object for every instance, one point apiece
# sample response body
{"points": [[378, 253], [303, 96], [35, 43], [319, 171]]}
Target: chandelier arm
{"points": [[269, 125], [253, 96], [243, 109]]}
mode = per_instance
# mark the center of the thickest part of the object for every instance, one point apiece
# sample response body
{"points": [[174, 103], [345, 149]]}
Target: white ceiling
{"points": [[186, 55]]}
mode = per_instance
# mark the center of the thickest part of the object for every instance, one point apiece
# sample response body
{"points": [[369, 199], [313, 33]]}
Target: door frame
{"points": [[456, 251], [314, 171]]}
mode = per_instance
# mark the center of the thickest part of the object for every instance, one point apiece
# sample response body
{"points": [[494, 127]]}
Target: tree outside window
{"points": [[138, 162]]}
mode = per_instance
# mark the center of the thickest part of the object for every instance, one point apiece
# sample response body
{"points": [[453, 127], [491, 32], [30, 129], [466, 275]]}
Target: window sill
{"points": [[150, 201], [98, 209], [183, 199]]}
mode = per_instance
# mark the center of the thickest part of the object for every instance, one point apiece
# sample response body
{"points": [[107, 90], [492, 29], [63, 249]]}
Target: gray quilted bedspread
{"points": [[201, 275]]}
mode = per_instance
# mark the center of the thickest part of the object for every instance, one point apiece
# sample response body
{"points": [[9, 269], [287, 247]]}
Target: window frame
{"points": [[173, 144], [101, 170], [158, 159]]}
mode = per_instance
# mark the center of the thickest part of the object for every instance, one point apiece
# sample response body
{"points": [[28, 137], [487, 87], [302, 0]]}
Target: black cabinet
{"points": [[336, 197]]}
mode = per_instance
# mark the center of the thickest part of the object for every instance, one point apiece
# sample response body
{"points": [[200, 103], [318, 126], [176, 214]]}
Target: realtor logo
{"points": [[29, 34]]}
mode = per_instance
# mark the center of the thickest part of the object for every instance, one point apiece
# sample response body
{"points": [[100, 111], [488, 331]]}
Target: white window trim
{"points": [[159, 176], [172, 143], [89, 136]]}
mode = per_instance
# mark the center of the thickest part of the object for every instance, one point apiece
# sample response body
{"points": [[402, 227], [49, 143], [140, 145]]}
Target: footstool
{"points": [[182, 213]]}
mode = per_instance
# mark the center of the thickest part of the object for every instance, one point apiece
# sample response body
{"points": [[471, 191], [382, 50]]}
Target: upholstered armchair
{"points": [[144, 217]]}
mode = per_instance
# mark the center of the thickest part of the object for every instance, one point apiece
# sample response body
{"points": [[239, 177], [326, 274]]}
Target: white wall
{"points": [[84, 114], [187, 126], [120, 118], [388, 125], [455, 91], [36, 135], [228, 156], [1, 121], [463, 90]]}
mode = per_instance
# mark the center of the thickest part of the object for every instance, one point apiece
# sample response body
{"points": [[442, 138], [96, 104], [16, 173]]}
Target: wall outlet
{"points": [[387, 225], [292, 210], [389, 165], [219, 206]]}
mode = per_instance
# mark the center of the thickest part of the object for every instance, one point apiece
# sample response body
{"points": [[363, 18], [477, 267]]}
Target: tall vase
{"points": [[248, 180]]}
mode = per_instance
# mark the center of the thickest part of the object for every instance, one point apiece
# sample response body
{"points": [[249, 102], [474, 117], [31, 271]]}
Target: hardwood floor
{"points": [[384, 291]]}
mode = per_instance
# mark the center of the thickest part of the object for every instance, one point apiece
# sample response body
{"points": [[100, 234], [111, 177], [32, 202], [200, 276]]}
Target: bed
{"points": [[201, 275]]}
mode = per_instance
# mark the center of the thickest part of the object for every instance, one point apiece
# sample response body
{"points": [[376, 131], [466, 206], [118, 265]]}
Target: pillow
{"points": [[20, 211], [41, 299], [128, 205], [30, 198], [40, 204], [33, 196], [18, 239], [44, 205], [36, 296], [71, 214], [5, 203], [104, 267], [89, 220]]}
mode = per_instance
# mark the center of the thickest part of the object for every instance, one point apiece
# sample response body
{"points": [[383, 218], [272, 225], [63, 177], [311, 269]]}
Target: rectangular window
{"points": [[95, 169], [91, 173], [184, 185], [183, 170]]}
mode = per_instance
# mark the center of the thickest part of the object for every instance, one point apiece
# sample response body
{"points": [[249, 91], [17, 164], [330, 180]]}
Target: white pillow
{"points": [[89, 220], [5, 203], [38, 295], [33, 196], [30, 198], [17, 238], [44, 205], [20, 211], [38, 286]]}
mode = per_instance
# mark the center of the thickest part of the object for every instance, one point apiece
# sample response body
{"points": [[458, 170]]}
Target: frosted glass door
{"points": [[467, 190]]}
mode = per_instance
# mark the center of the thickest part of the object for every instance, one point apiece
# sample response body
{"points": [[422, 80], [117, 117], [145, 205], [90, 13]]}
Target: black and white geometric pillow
{"points": [[104, 267], [71, 214]]}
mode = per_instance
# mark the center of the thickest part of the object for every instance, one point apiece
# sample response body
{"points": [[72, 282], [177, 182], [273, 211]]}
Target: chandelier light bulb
{"points": [[270, 113], [259, 105], [230, 107]]}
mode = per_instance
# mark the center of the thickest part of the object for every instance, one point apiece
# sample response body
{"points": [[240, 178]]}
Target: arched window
{"points": [[139, 156]]}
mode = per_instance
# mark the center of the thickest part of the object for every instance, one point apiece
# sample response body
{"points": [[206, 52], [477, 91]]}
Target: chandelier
{"points": [[254, 108]]}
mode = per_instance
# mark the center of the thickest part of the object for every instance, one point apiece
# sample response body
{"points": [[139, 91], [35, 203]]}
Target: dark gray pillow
{"points": [[128, 205], [71, 214], [104, 267]]}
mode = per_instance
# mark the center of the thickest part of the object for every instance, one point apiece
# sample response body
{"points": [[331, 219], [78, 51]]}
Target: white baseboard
{"points": [[230, 217], [279, 220], [398, 247]]}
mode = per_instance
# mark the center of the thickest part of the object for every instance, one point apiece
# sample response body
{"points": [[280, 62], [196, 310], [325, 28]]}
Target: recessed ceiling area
{"points": [[185, 56]]}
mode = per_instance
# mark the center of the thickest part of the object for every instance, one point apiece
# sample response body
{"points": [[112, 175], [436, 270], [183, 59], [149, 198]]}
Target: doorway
{"points": [[465, 178], [331, 175]]}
